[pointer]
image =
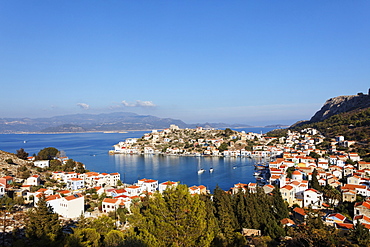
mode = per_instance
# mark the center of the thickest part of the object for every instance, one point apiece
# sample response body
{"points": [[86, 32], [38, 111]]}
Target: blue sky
{"points": [[252, 62]]}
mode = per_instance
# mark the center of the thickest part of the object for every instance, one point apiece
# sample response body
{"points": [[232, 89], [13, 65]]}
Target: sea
{"points": [[92, 150]]}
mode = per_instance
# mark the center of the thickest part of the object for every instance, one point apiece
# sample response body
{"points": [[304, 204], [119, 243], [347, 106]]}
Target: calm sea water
{"points": [[92, 150]]}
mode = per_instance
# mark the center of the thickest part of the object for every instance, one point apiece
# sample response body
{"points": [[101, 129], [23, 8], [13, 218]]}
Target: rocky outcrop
{"points": [[341, 104]]}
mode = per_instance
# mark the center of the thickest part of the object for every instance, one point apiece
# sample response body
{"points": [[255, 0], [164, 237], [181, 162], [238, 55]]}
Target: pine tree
{"points": [[240, 209], [361, 235], [280, 209], [114, 238], [43, 225], [225, 216], [176, 218]]}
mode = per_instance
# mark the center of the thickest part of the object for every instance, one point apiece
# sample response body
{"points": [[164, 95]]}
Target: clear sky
{"points": [[253, 62]]}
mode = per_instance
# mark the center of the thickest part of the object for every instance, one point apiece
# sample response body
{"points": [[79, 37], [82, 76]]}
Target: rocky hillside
{"points": [[10, 169], [341, 104]]}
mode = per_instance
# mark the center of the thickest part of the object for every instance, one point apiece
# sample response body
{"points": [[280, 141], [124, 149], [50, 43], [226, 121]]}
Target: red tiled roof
{"points": [[287, 221], [110, 200], [338, 216], [365, 204], [72, 197], [133, 187], [53, 197], [299, 211], [287, 187]]}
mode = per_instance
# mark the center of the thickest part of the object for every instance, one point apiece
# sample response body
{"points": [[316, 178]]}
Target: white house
{"points": [[313, 198], [42, 163], [163, 186], [133, 190], [75, 183], [149, 185], [69, 207], [33, 180], [110, 204], [65, 176], [112, 178]]}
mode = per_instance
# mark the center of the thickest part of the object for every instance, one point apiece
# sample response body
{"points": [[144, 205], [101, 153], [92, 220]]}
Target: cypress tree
{"points": [[314, 182], [43, 225]]}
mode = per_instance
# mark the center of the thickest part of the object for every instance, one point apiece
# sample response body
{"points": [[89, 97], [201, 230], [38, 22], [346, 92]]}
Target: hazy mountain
{"points": [[117, 121]]}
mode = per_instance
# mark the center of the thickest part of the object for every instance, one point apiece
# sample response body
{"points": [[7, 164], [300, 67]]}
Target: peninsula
{"points": [[198, 142]]}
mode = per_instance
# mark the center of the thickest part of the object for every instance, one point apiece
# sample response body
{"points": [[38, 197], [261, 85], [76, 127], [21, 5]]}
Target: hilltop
{"points": [[341, 104], [347, 116]]}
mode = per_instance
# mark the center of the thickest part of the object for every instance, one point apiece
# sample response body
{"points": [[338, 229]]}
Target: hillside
{"points": [[353, 125], [10, 169], [341, 104], [347, 116]]}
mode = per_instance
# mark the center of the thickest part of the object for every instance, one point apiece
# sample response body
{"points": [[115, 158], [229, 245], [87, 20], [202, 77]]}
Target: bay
{"points": [[92, 150]]}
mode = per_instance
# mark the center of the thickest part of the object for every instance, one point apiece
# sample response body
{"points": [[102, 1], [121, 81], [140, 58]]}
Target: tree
{"points": [[47, 154], [84, 237], [361, 235], [114, 238], [43, 226], [69, 165], [119, 183], [225, 216], [22, 154], [228, 132], [176, 217], [280, 209], [314, 155], [80, 168], [223, 147], [314, 182]]}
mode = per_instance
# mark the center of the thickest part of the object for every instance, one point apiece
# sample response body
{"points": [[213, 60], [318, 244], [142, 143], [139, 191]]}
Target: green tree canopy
{"points": [[175, 217], [43, 226], [47, 153], [22, 154]]}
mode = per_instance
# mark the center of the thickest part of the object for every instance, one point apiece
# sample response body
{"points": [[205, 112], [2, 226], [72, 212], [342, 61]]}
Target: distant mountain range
{"points": [[118, 121]]}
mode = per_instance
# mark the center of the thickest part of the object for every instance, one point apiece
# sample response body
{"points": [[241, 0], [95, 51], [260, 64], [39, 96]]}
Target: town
{"points": [[313, 174]]}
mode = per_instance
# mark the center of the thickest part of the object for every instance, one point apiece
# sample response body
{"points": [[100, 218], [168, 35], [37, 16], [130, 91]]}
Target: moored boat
{"points": [[200, 171]]}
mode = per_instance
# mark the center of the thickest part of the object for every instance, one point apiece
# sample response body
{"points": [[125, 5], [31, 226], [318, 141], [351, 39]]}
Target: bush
{"points": [[9, 161]]}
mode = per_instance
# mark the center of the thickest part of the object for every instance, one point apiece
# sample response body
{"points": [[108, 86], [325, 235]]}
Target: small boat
{"points": [[256, 173], [234, 167], [211, 170], [24, 141], [200, 171], [260, 167]]}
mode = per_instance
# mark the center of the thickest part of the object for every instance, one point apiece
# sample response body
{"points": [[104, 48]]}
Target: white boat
{"points": [[211, 170], [200, 171]]}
